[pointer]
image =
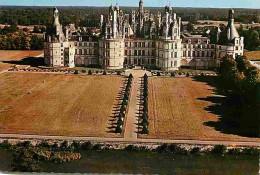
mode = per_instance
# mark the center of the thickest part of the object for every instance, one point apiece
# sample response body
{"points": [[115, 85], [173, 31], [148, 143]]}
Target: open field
{"points": [[50, 104], [177, 110], [16, 55], [4, 66], [254, 55]]}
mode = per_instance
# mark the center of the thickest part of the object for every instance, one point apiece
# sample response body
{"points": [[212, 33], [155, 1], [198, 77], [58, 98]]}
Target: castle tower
{"points": [[141, 6], [231, 29]]}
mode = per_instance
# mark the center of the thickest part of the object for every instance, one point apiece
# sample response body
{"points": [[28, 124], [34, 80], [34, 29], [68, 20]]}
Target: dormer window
{"points": [[80, 38], [189, 41], [199, 41]]}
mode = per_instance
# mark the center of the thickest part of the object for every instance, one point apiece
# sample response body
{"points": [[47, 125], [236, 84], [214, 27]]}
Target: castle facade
{"points": [[140, 38]]}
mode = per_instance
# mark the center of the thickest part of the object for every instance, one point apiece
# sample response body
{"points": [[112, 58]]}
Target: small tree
{"points": [[83, 71], [118, 129], [76, 72], [89, 72], [187, 75], [145, 121], [104, 73], [173, 74], [118, 72], [158, 74], [145, 130]]}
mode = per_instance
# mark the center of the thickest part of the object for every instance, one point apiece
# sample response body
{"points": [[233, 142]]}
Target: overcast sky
{"points": [[147, 3]]}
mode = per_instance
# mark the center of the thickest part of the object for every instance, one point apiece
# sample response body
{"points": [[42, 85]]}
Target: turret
{"points": [[55, 17], [231, 29], [141, 6]]}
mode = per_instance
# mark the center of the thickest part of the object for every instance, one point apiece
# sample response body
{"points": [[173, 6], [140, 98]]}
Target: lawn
{"points": [[13, 57], [16, 55], [253, 55], [50, 104], [178, 110]]}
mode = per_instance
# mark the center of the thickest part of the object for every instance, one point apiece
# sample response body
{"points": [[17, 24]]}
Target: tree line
{"points": [[11, 38], [90, 16], [240, 82]]}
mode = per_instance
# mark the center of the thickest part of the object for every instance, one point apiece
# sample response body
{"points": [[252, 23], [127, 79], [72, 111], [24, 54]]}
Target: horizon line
{"points": [[126, 6]]}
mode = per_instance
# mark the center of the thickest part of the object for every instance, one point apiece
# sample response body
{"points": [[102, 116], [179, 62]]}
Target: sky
{"points": [[148, 3]]}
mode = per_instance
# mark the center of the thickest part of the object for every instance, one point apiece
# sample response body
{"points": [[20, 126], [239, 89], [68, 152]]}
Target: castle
{"points": [[140, 38]]}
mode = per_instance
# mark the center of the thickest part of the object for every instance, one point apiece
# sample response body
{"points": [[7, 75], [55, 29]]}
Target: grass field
{"points": [[177, 110], [51, 104], [254, 55], [15, 55], [4, 66]]}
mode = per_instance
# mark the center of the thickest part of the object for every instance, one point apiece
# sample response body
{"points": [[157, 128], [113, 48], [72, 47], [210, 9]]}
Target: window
{"points": [[139, 52], [143, 44], [189, 54], [143, 52], [175, 63], [126, 44], [61, 44], [175, 55], [184, 53], [176, 45], [125, 52], [135, 52]]}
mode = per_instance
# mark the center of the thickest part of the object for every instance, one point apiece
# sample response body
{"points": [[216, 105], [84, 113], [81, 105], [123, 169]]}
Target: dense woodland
{"points": [[89, 16], [240, 83], [11, 38]]}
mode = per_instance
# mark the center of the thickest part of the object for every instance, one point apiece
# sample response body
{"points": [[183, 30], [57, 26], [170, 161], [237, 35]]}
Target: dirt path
{"points": [[132, 119], [122, 140]]}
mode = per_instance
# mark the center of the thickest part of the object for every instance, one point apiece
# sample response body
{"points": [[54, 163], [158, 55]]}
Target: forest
{"points": [[89, 16]]}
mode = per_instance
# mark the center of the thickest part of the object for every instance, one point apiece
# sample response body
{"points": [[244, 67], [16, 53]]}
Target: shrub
{"points": [[145, 130], [83, 71], [89, 72], [25, 144], [5, 144], [180, 73], [195, 150], [104, 73], [187, 75], [55, 146], [97, 72], [234, 151], [118, 72], [162, 149], [177, 150], [202, 74], [158, 74], [64, 145], [250, 151], [173, 75], [87, 145], [120, 121], [45, 144], [130, 148], [219, 149], [97, 147], [76, 72], [145, 122], [75, 145], [118, 129], [131, 76]]}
